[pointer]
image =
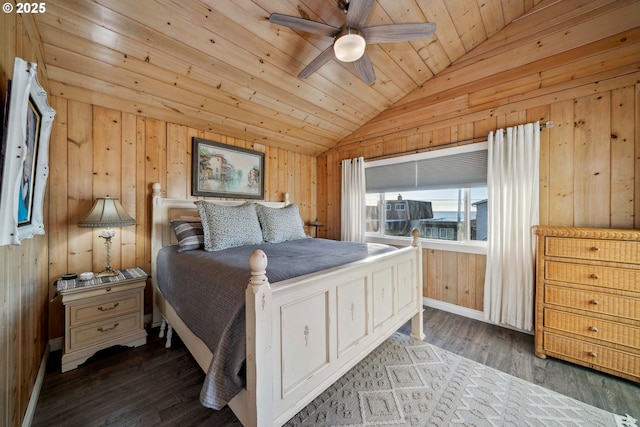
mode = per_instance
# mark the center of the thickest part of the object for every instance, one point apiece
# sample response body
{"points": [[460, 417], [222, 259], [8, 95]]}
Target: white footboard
{"points": [[304, 334]]}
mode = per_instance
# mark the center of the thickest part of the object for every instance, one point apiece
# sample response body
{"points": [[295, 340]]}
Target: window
{"points": [[442, 193]]}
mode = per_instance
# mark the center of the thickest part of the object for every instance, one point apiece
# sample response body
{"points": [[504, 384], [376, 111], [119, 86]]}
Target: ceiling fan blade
{"points": [[318, 62], [302, 24], [398, 32], [358, 12], [364, 67]]}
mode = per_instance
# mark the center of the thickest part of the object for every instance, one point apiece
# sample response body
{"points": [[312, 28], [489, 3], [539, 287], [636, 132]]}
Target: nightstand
{"points": [[102, 312]]}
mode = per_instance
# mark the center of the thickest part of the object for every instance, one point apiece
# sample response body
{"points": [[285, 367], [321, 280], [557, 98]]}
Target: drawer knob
{"points": [[101, 329], [595, 249], [594, 302], [594, 276], [593, 354], [593, 329], [115, 304]]}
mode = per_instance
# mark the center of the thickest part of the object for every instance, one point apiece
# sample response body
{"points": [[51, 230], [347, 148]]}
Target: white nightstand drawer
{"points": [[100, 332], [102, 308]]}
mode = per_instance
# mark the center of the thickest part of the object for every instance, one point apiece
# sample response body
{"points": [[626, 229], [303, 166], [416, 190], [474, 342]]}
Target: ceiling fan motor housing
{"points": [[350, 45]]}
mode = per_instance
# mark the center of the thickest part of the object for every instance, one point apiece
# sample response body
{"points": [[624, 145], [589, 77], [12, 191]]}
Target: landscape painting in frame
{"points": [[221, 170]]}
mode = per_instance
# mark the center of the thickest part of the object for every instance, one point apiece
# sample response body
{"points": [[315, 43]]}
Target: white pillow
{"points": [[280, 224], [229, 226]]}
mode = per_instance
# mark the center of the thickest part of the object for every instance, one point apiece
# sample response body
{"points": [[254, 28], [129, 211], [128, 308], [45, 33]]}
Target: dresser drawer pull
{"points": [[595, 249], [594, 276], [115, 304], [101, 329], [593, 329], [593, 354], [594, 302], [108, 289]]}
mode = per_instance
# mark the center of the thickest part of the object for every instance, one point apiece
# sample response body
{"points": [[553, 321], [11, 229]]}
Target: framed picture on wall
{"points": [[221, 170], [27, 183], [25, 156]]}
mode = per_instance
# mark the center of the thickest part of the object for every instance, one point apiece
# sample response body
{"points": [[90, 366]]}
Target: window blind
{"points": [[461, 170]]}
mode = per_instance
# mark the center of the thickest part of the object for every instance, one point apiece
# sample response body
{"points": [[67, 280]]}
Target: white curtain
{"points": [[513, 189], [353, 200]]}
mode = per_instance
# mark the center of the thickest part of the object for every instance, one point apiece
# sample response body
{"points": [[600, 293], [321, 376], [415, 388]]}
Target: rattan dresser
{"points": [[588, 298]]}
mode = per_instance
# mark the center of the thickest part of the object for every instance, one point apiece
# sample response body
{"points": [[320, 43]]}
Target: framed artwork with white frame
{"points": [[24, 158]]}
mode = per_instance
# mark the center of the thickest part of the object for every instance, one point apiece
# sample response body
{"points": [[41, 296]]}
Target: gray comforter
{"points": [[207, 291]]}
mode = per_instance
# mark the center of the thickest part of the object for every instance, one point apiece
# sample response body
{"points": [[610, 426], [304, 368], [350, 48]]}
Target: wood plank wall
{"points": [[97, 152], [23, 269], [579, 69]]}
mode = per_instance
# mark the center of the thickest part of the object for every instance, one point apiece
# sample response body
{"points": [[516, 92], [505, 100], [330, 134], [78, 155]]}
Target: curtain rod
{"points": [[546, 125]]}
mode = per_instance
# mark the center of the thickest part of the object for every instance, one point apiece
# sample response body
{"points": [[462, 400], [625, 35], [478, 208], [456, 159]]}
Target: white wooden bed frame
{"points": [[291, 356]]}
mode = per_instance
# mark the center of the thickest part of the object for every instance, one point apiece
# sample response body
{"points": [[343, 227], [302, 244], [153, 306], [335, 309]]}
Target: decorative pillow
{"points": [[189, 234], [280, 224], [229, 226]]}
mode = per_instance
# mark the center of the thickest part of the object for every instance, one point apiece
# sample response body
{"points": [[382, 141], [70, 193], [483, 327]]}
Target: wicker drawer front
{"points": [[595, 328], [608, 277], [595, 302], [84, 336], [112, 305], [592, 354], [593, 249]]}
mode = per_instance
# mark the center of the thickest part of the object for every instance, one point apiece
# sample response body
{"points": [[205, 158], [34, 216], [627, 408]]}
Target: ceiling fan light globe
{"points": [[349, 47]]}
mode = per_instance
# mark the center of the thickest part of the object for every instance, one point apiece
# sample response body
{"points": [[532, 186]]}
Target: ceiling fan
{"points": [[350, 41]]}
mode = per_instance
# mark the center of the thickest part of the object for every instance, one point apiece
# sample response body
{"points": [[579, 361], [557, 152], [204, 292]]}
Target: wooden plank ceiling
{"points": [[219, 65]]}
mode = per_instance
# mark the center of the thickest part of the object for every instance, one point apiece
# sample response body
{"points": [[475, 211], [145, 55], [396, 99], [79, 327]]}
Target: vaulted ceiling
{"points": [[220, 65]]}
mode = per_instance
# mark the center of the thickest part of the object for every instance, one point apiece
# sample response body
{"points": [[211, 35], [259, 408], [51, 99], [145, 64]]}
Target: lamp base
{"points": [[106, 273]]}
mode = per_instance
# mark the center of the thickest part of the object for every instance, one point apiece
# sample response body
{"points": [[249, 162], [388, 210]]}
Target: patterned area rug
{"points": [[410, 383]]}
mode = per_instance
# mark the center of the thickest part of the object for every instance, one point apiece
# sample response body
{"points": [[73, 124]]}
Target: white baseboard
{"points": [[466, 312], [35, 394], [455, 309]]}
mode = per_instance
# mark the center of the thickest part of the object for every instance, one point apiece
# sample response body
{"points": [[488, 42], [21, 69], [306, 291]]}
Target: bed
{"points": [[301, 333]]}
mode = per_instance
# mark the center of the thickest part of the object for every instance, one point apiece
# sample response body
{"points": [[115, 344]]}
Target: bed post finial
{"points": [[287, 202], [416, 237], [156, 188], [258, 266]]}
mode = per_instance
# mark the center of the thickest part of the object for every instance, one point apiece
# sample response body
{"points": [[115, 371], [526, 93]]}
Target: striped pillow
{"points": [[189, 234]]}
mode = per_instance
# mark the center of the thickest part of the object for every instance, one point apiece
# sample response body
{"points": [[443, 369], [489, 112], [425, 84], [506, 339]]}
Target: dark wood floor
{"points": [[151, 385]]}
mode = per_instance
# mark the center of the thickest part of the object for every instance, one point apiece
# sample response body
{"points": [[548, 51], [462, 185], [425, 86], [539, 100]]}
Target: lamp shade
{"points": [[350, 46], [107, 212]]}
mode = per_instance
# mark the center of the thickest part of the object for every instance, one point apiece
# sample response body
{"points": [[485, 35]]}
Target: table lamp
{"points": [[106, 213], [316, 224]]}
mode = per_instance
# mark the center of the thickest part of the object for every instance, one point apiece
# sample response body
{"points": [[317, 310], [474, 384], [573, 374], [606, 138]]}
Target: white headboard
{"points": [[163, 210]]}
